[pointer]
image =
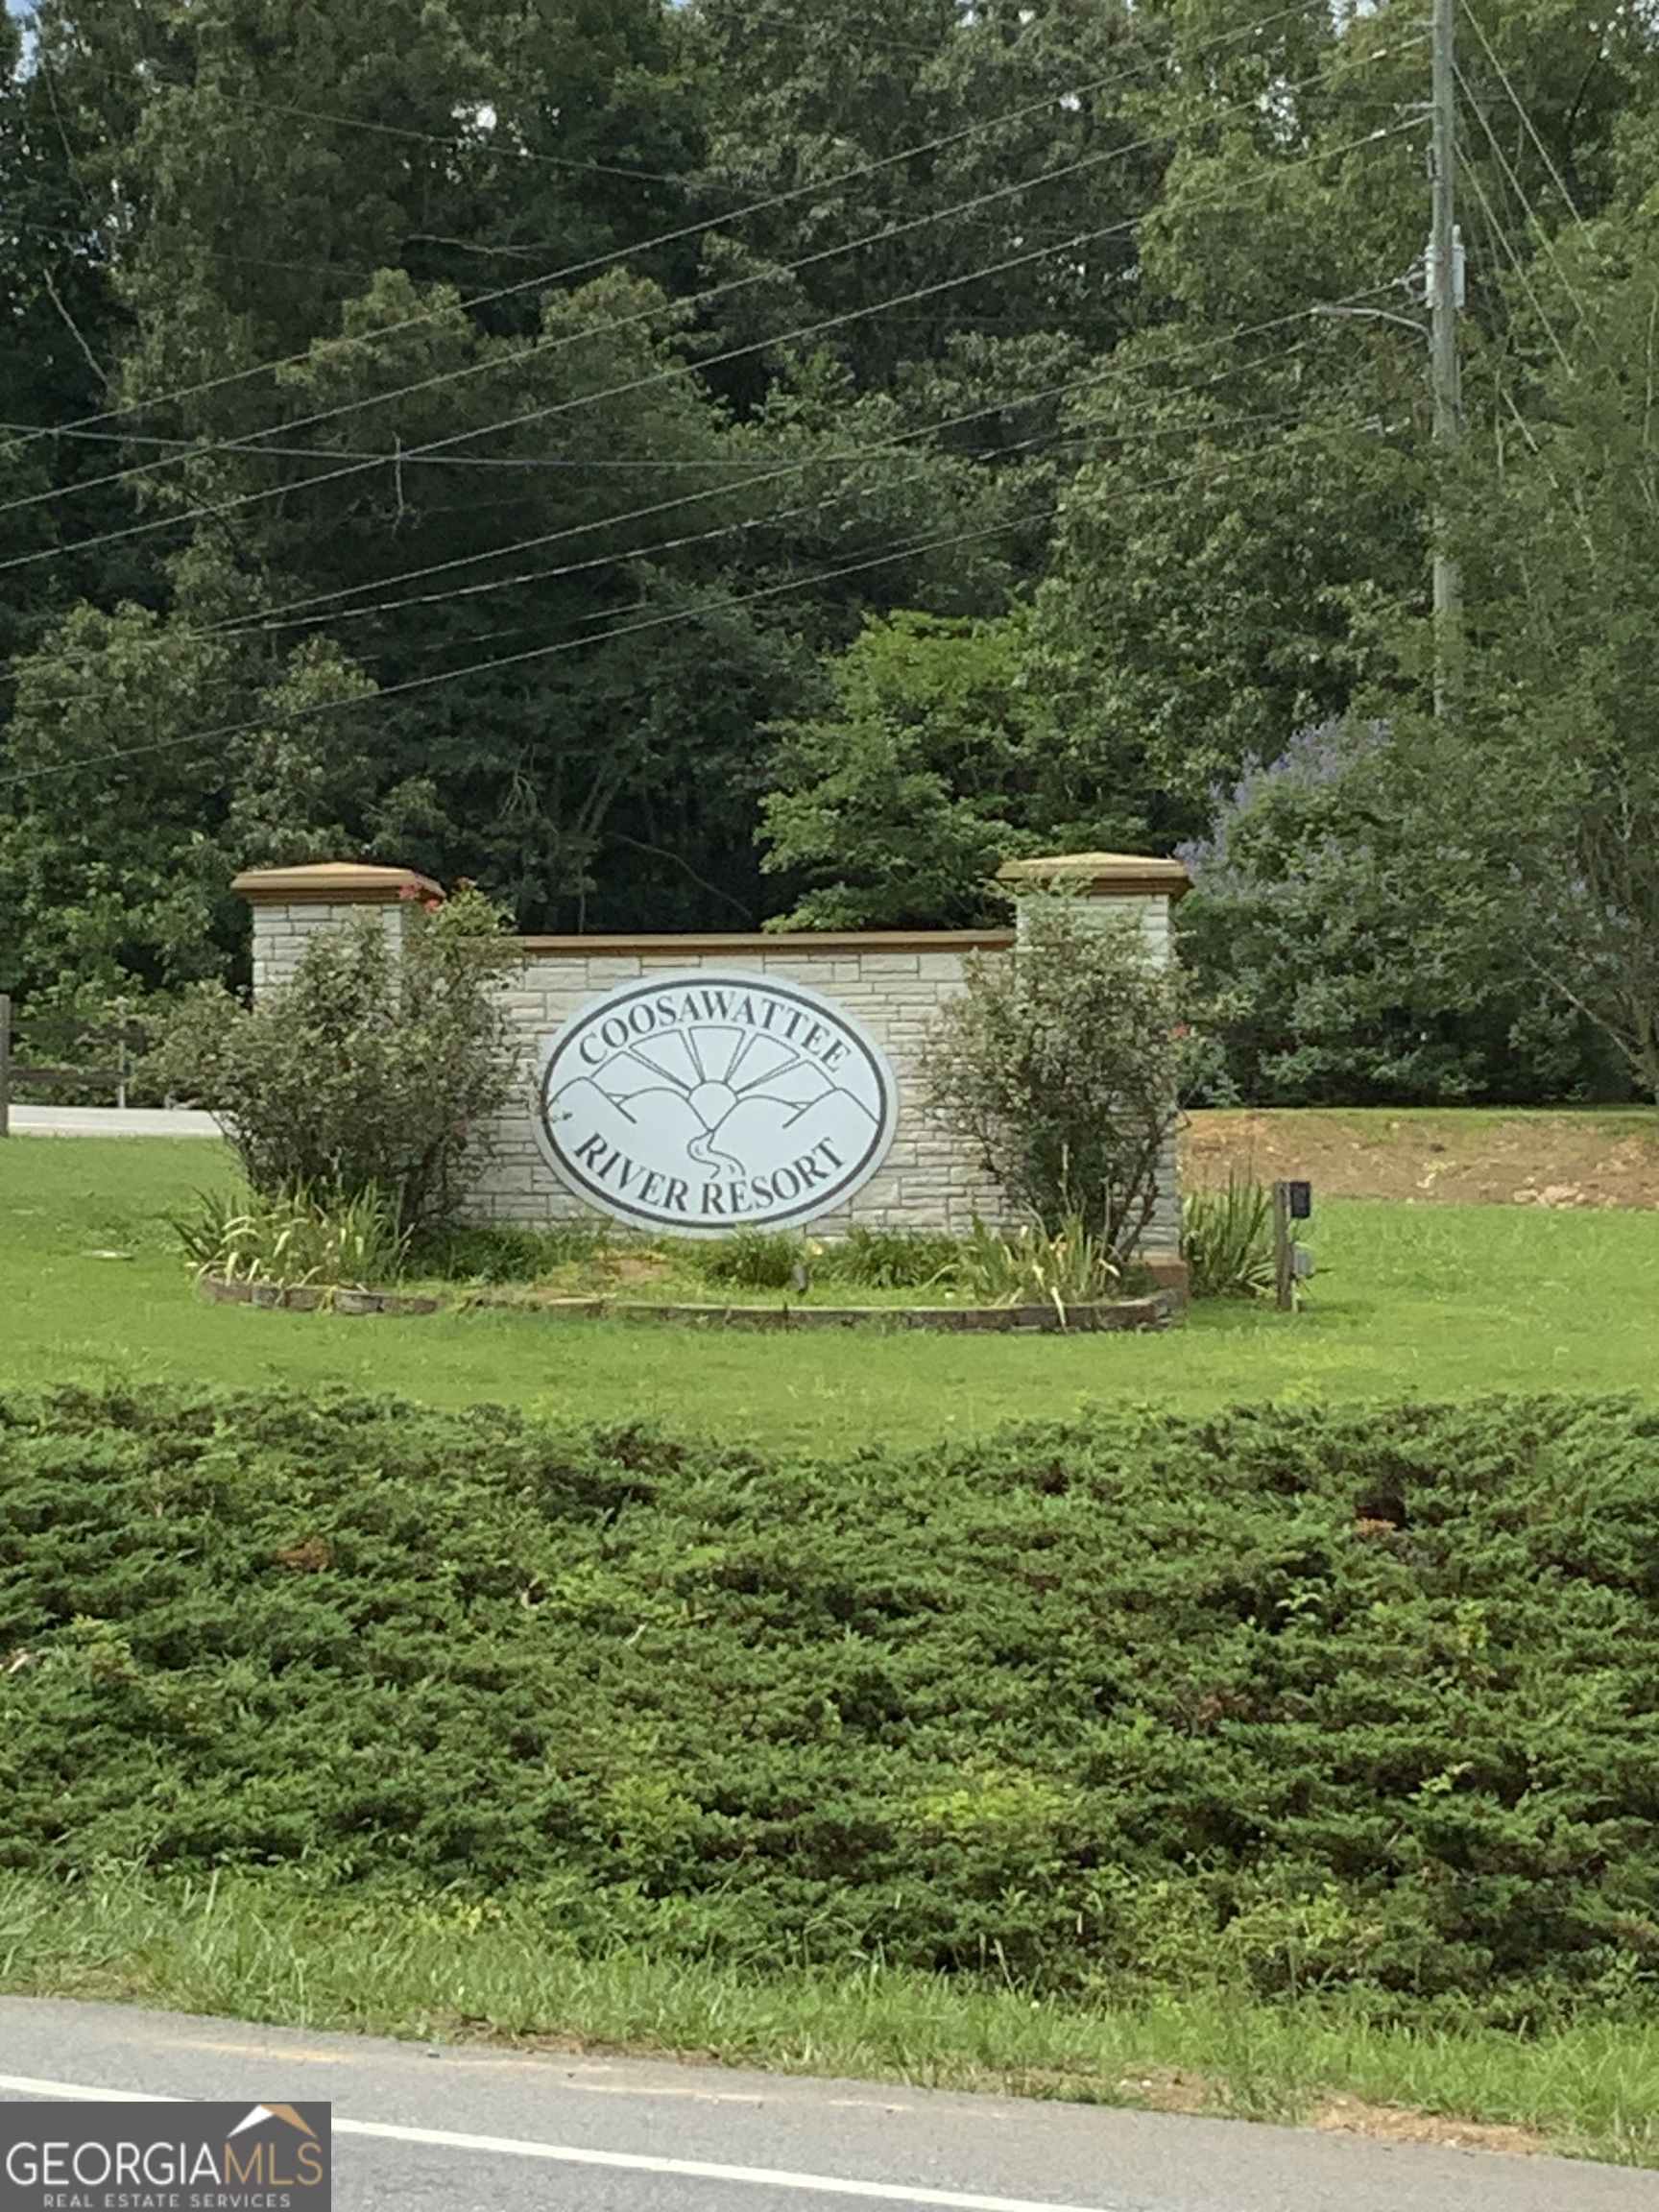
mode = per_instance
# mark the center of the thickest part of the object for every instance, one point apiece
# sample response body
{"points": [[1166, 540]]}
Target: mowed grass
{"points": [[1438, 1301]]}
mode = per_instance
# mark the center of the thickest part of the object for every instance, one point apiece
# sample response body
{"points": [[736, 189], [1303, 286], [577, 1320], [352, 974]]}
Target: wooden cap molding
{"points": [[796, 942], [332, 884], [1096, 875], [1100, 874]]}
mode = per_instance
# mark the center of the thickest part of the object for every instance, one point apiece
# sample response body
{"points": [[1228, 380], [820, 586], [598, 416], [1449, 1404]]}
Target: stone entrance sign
{"points": [[642, 1106], [698, 1101]]}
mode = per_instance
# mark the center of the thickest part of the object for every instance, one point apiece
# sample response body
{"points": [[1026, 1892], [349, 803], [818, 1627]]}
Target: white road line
{"points": [[628, 2161]]}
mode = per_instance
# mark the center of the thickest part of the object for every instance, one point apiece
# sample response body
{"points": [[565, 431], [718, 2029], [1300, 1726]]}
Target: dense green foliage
{"points": [[1360, 1701], [1059, 1063], [890, 1259], [1557, 784], [1351, 947], [372, 1071], [1227, 1238], [751, 1259], [683, 468], [931, 768]]}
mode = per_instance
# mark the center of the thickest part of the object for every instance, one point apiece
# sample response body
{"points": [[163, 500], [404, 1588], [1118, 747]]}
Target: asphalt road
{"points": [[489, 2130], [112, 1122]]}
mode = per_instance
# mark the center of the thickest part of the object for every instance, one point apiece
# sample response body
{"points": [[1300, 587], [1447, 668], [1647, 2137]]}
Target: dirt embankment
{"points": [[1591, 1157]]}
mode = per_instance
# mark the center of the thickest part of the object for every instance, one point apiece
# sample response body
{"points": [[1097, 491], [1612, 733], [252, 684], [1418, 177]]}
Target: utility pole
{"points": [[1444, 289]]}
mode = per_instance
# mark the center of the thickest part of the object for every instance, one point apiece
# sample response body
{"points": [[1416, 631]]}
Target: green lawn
{"points": [[1438, 1300]]}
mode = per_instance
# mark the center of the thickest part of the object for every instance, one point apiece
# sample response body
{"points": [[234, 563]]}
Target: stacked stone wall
{"points": [[279, 931], [926, 1180]]}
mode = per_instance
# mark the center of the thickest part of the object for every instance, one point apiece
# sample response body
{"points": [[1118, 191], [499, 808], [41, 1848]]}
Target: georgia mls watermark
{"points": [[164, 2158], [700, 1101]]}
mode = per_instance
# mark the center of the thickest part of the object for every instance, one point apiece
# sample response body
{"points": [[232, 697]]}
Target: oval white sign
{"points": [[698, 1101]]}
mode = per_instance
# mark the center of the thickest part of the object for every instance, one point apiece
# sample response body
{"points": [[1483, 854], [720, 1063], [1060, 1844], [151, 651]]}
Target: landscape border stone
{"points": [[1107, 1315]]}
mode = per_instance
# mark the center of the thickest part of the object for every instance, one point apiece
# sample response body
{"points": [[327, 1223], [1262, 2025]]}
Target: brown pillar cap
{"points": [[1100, 874], [332, 884]]}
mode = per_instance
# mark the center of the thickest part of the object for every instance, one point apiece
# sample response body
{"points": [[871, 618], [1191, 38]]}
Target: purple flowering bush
{"points": [[1351, 950]]}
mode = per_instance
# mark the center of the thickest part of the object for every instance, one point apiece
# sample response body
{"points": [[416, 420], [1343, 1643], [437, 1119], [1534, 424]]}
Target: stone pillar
{"points": [[289, 904], [1112, 883]]}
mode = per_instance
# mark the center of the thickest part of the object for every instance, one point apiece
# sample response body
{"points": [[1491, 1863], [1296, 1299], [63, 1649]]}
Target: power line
{"points": [[1528, 212], [551, 277], [263, 620], [562, 646], [1524, 275], [514, 659], [434, 446], [954, 211], [413, 456], [1094, 380], [768, 520], [1522, 111], [481, 145], [489, 364], [656, 378], [1041, 438], [252, 625], [244, 627]]}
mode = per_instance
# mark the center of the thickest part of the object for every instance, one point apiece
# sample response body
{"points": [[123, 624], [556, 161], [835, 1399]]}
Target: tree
{"points": [[506, 495], [263, 163], [1551, 781], [1346, 946], [893, 808], [61, 333], [1247, 518], [148, 759], [1061, 1064], [936, 762], [1026, 109], [1225, 572], [1244, 551], [552, 437]]}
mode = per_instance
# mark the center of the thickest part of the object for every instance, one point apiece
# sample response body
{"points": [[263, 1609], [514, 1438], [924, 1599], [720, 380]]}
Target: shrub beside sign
{"points": [[696, 1102]]}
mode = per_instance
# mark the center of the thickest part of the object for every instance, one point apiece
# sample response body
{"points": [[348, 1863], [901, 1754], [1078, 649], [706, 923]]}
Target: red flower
{"points": [[408, 891]]}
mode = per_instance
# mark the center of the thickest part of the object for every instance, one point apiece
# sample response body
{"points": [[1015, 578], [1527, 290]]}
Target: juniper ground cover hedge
{"points": [[1360, 1701]]}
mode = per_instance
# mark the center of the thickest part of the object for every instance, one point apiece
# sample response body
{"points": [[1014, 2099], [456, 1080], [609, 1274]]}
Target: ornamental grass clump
{"points": [[298, 1238], [375, 1068], [1227, 1238], [891, 1260], [751, 1259], [1036, 1266]]}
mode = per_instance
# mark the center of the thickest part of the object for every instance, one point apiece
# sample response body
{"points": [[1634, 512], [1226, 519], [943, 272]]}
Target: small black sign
{"points": [[164, 2158], [1301, 1196]]}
